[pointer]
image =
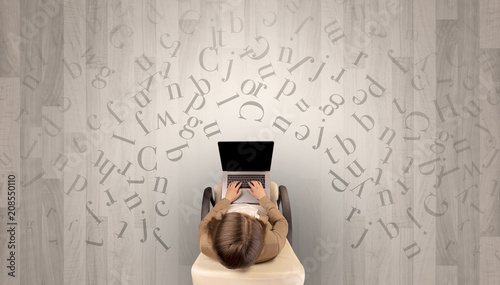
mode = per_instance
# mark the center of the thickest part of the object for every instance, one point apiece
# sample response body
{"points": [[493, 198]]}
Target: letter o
{"points": [[182, 19], [44, 19], [74, 160], [330, 110], [245, 83], [495, 92], [313, 262], [318, 256]]}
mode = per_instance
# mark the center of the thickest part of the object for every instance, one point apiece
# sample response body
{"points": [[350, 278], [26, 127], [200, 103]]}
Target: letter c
{"points": [[432, 212], [158, 210], [420, 114], [415, 85], [90, 124], [253, 103], [139, 158], [202, 57], [120, 45]]}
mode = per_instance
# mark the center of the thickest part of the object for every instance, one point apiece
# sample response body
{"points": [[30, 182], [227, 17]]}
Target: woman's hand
{"points": [[256, 189], [233, 191]]}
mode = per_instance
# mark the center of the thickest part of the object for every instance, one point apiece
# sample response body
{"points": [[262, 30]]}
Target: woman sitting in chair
{"points": [[240, 235]]}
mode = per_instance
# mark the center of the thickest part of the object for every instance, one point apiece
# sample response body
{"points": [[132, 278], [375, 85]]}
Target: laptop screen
{"points": [[246, 156]]}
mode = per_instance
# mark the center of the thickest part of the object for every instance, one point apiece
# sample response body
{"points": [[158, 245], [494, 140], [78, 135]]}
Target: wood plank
{"points": [[69, 72], [489, 24], [489, 260]]}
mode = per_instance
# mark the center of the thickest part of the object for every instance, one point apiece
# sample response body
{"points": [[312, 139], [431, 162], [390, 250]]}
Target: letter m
{"points": [[332, 32]]}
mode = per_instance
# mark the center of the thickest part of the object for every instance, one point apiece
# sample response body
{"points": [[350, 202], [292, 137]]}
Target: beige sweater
{"points": [[276, 229]]}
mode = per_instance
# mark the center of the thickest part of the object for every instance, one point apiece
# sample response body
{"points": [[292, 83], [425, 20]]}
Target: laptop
{"points": [[246, 161]]}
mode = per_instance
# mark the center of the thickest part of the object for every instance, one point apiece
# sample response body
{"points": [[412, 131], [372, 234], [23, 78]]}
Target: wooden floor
{"points": [[385, 116]]}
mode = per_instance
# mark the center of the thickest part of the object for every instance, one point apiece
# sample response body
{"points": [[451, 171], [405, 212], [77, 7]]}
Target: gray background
{"points": [[384, 114]]}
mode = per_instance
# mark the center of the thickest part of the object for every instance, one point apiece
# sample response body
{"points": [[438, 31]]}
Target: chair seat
{"points": [[283, 269]]}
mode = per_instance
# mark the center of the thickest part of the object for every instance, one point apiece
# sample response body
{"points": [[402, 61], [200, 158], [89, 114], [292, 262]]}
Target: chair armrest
{"points": [[284, 200], [206, 201]]}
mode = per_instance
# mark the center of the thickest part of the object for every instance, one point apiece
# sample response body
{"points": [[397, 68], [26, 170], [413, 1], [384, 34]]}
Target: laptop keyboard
{"points": [[246, 178]]}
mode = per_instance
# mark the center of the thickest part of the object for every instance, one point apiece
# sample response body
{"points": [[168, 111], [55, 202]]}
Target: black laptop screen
{"points": [[246, 156]]}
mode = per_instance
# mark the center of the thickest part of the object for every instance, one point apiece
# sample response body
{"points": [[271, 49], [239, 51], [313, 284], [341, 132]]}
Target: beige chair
{"points": [[283, 269]]}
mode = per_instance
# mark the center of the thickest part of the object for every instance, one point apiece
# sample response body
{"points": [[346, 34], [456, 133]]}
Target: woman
{"points": [[239, 235]]}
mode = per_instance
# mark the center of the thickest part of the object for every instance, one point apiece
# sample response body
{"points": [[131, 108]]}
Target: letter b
{"points": [[240, 25], [75, 73], [343, 144], [394, 225], [197, 85]]}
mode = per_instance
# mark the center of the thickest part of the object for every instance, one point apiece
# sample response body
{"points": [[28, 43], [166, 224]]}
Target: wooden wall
{"points": [[385, 116]]}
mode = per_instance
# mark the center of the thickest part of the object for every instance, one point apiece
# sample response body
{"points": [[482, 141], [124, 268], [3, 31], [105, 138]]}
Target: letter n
{"points": [[132, 197], [414, 252], [157, 184], [389, 194]]}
